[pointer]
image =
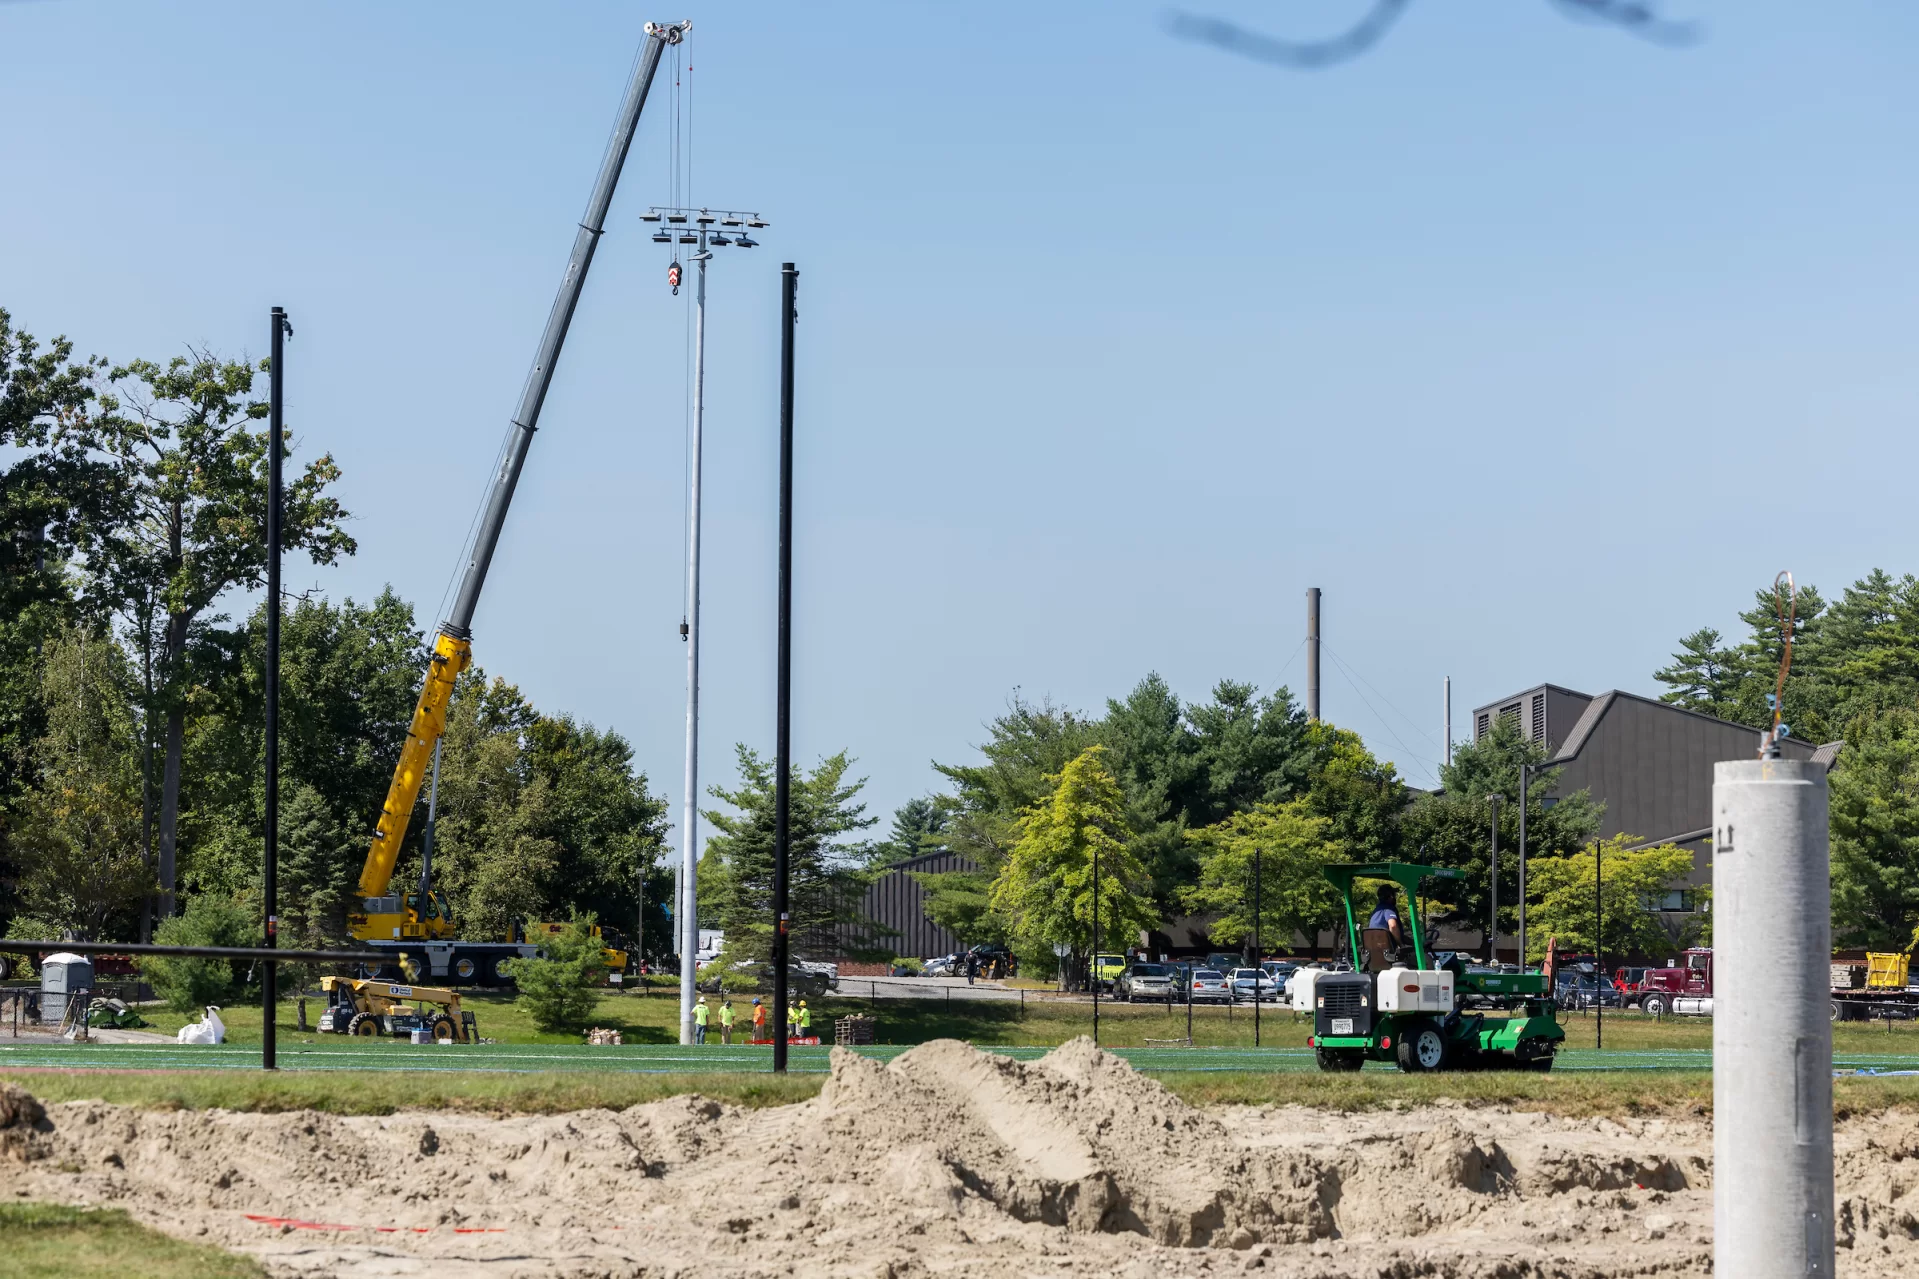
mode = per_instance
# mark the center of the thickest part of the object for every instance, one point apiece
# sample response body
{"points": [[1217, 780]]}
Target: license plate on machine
{"points": [[1342, 1025]]}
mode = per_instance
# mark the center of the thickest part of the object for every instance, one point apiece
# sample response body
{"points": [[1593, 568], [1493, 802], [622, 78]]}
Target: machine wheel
{"points": [[444, 1031], [500, 970], [463, 968], [1655, 1006], [364, 1026], [416, 968], [1338, 1059], [1423, 1048], [6, 967], [1538, 1065], [1838, 1011]]}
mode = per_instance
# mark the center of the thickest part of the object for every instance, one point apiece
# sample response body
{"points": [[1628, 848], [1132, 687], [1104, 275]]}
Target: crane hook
{"points": [[673, 276]]}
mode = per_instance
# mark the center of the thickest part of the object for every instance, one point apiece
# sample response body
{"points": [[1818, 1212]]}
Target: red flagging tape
{"points": [[294, 1223]]}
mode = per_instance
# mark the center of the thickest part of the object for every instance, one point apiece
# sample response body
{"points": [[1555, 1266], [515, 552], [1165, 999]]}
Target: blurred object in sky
{"points": [[1642, 19]]}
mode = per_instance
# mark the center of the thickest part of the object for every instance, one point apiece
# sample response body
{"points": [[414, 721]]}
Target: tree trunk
{"points": [[170, 780]]}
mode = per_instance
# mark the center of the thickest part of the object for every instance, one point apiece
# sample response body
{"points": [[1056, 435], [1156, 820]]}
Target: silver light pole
{"points": [[706, 239]]}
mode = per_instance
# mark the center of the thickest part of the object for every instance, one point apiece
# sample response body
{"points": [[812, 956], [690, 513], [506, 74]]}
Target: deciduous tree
{"points": [[1046, 889]]}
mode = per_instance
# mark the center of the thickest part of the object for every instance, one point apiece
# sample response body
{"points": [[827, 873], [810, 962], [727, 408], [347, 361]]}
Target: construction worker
{"points": [[726, 1021], [700, 1013], [792, 1022], [759, 1019], [806, 1021]]}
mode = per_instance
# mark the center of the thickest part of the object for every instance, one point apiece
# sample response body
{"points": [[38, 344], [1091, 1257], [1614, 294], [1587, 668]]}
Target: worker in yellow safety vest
{"points": [[700, 1013], [726, 1021], [806, 1021], [792, 1022]]}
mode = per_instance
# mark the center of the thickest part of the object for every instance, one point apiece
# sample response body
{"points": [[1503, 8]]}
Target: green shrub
{"points": [[193, 982], [558, 990], [906, 966]]}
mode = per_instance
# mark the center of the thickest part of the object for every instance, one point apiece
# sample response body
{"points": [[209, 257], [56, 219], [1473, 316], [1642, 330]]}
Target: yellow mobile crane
{"points": [[421, 925]]}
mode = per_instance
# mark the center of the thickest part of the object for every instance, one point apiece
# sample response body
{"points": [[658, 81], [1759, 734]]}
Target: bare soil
{"points": [[946, 1162]]}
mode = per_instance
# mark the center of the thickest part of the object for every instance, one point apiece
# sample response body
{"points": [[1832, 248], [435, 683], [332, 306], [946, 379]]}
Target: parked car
{"points": [[1253, 983], [1282, 971], [829, 971], [1147, 981], [1583, 990], [1224, 962], [1209, 985], [800, 983], [943, 966]]}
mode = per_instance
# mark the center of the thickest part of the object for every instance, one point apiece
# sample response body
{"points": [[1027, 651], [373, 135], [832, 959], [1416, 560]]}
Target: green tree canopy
{"points": [[83, 868], [1046, 888], [1566, 904], [825, 872], [1875, 833], [1454, 827], [1294, 894]]}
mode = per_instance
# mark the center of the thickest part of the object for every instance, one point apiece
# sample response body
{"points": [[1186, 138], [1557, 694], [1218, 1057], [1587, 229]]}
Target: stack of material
{"points": [[598, 1035], [854, 1030]]}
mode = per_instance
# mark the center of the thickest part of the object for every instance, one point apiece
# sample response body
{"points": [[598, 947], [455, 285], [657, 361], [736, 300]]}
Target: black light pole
{"points": [[1095, 972], [1525, 802], [1259, 965], [1599, 948], [1492, 927], [269, 988], [782, 745]]}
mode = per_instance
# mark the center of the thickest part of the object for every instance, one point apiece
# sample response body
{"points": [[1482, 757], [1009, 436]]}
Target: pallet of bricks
{"points": [[854, 1030]]}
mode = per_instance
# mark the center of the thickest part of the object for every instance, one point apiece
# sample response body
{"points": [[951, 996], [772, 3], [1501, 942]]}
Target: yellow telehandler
{"points": [[369, 1009]]}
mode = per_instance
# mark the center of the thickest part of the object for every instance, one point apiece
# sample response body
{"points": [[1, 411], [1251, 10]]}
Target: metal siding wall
{"points": [[896, 901]]}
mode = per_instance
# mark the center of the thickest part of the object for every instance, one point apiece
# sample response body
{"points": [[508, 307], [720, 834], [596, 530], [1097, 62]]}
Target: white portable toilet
{"points": [[60, 976]]}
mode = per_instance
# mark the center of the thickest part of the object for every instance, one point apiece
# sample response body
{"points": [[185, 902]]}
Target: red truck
{"points": [[1685, 988]]}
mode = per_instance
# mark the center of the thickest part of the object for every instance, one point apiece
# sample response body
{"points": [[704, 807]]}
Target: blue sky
{"points": [[1534, 345]]}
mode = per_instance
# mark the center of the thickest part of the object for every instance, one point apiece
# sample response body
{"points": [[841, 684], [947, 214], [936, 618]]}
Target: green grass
{"points": [[1042, 1022], [367, 1093], [46, 1241], [356, 1093]]}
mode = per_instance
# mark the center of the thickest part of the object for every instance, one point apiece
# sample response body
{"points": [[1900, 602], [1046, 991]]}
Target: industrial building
{"points": [[1649, 762]]}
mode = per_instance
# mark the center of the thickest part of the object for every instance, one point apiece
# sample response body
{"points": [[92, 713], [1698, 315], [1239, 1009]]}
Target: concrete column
{"points": [[1772, 1030]]}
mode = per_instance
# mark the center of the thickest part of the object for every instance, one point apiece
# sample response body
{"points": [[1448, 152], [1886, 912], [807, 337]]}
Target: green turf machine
{"points": [[1407, 1005]]}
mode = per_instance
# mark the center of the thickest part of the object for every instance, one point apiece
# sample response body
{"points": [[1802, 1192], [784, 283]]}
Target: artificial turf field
{"points": [[677, 1059]]}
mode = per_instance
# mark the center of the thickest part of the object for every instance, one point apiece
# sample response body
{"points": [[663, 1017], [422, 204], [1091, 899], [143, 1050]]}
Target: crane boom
{"points": [[452, 648]]}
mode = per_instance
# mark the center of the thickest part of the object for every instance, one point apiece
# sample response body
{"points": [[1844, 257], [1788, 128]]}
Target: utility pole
{"points": [[1525, 790], [1449, 721], [1772, 1192], [1095, 956], [276, 433], [1492, 927], [1312, 652], [697, 229], [1599, 945], [1259, 965], [782, 747]]}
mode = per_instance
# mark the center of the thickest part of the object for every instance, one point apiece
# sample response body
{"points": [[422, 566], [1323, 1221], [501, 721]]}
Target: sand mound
{"points": [[1078, 1139], [945, 1162]]}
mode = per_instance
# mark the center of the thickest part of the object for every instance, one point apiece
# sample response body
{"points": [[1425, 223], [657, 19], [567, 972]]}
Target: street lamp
{"points": [[1492, 928], [705, 241], [1526, 772]]}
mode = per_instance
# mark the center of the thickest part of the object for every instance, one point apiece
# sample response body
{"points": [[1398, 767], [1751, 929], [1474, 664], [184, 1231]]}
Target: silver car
{"points": [[1148, 981], [1209, 985], [1254, 983]]}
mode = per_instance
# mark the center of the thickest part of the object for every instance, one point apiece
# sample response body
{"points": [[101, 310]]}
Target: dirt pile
{"points": [[945, 1162]]}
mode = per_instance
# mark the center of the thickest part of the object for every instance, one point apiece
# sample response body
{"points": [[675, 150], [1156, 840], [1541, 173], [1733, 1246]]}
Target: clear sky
{"points": [[1533, 344]]}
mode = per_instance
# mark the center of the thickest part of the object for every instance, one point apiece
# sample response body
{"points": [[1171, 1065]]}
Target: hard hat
{"points": [[702, 998], [756, 999], [802, 1003]]}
